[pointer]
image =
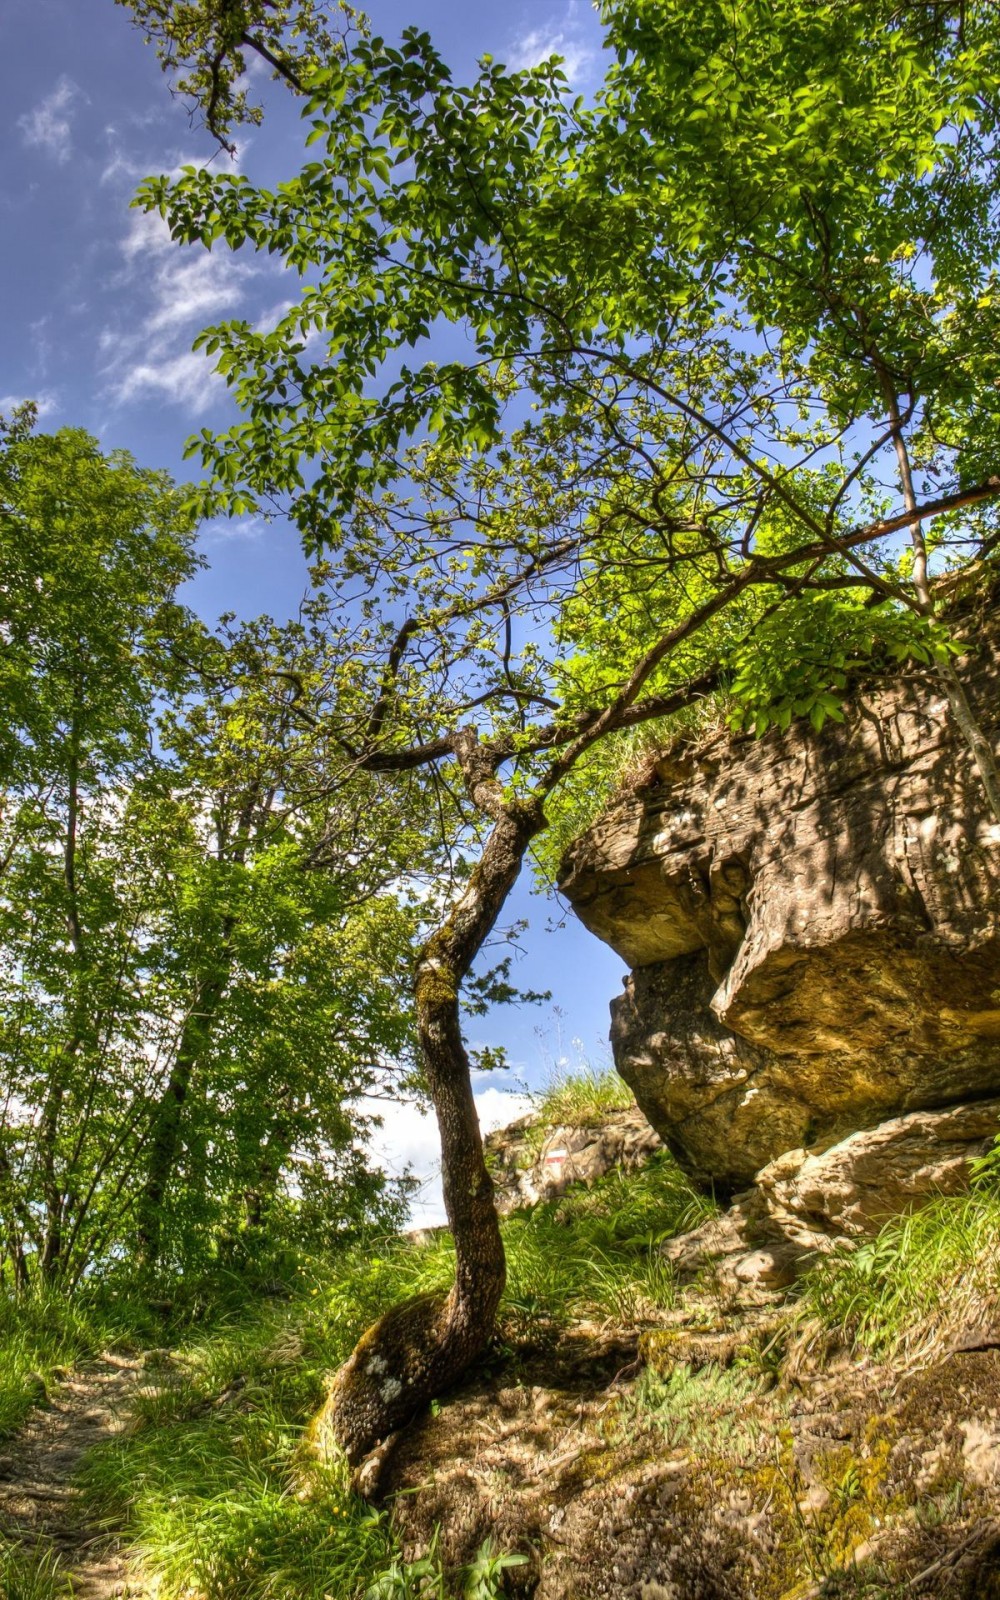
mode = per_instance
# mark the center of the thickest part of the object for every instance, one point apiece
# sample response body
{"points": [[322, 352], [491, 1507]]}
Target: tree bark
{"points": [[165, 1137], [422, 1347]]}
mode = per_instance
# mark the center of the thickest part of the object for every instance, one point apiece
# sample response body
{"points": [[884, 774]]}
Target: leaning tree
{"points": [[598, 410]]}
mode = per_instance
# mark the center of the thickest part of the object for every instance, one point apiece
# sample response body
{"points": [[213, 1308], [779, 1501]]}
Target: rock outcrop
{"points": [[530, 1162], [813, 924], [801, 1205]]}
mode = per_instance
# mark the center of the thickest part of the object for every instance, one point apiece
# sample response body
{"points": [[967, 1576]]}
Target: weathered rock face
{"points": [[529, 1164], [802, 1205], [814, 927]]}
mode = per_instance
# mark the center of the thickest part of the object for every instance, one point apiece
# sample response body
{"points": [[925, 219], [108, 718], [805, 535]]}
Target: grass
{"points": [[29, 1574], [708, 1412], [921, 1276], [43, 1334], [582, 1098], [594, 1252], [213, 1482]]}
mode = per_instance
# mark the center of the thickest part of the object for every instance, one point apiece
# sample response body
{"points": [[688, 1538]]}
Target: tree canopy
{"points": [[201, 975], [595, 409]]}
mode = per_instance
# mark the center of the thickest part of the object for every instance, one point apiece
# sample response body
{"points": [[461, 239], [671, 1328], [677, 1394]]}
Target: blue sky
{"points": [[100, 309]]}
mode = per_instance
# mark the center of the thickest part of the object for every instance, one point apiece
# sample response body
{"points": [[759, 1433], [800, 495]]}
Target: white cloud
{"points": [[121, 166], [195, 289], [409, 1138], [183, 288], [497, 1108], [45, 403], [246, 530], [185, 283], [48, 126], [269, 319], [565, 36], [186, 380]]}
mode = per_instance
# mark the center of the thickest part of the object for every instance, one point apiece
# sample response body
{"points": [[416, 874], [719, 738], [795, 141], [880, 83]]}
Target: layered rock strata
{"points": [[813, 927], [803, 1204]]}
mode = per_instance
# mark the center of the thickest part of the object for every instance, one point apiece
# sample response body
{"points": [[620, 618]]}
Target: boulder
{"points": [[813, 924], [530, 1163], [802, 1204]]}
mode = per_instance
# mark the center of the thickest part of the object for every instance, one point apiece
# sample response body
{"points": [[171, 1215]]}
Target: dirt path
{"points": [[38, 1502]]}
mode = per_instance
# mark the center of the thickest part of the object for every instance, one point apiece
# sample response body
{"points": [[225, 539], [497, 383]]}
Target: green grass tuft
{"points": [[708, 1411], [582, 1098], [922, 1275], [28, 1573]]}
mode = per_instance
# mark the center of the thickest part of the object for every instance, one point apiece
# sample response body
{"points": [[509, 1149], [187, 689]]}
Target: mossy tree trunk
{"points": [[422, 1347]]}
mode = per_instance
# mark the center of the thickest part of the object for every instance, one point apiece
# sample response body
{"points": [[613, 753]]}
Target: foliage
{"points": [[200, 971], [581, 1097], [677, 332], [208, 44], [597, 410], [92, 550], [665, 468]]}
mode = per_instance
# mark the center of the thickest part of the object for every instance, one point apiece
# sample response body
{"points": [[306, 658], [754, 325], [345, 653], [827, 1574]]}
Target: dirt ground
{"points": [[38, 1502], [860, 1483]]}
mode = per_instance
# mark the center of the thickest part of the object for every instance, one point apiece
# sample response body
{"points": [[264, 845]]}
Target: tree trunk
{"points": [[420, 1348], [165, 1137]]}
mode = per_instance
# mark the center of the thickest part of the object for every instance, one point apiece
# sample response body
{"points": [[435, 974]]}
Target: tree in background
{"points": [[92, 550], [292, 941], [728, 344], [200, 972]]}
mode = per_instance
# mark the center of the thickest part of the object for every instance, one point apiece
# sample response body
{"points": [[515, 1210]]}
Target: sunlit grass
{"points": [[40, 1335], [213, 1482], [582, 1098], [922, 1275]]}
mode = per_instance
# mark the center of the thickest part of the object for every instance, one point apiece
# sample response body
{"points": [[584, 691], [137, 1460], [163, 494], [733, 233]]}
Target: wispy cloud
{"points": [[49, 125], [178, 291], [120, 166], [186, 379], [236, 530], [570, 35]]}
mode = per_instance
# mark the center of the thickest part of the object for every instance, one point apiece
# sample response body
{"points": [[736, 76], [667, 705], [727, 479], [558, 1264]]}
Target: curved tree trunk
{"points": [[420, 1348]]}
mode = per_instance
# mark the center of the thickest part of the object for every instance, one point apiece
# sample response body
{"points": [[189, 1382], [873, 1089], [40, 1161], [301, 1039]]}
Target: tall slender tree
{"points": [[200, 973]]}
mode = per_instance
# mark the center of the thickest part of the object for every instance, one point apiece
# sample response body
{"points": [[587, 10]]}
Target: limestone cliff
{"points": [[813, 926]]}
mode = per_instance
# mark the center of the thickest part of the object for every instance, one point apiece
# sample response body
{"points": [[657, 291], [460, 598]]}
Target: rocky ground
{"points": [[730, 1450], [719, 1459]]}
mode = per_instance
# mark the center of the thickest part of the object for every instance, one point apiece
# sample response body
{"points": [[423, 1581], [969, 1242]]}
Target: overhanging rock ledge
{"points": [[813, 926]]}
